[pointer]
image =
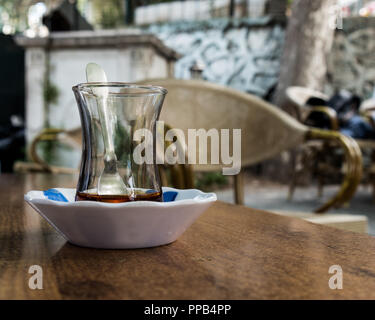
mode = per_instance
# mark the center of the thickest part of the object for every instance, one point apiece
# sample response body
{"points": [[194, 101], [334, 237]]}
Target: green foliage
{"points": [[50, 92], [47, 151], [159, 1], [122, 144], [210, 180], [109, 14], [50, 151], [16, 10], [111, 18]]}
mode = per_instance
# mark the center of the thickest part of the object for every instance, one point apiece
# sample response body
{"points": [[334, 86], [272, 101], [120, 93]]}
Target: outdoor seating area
{"points": [[300, 97], [209, 148]]}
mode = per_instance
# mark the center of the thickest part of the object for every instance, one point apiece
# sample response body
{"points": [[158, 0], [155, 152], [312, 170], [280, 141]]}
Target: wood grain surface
{"points": [[231, 252]]}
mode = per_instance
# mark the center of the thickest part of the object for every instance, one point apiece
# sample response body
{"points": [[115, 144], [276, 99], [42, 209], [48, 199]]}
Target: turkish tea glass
{"points": [[131, 112]]}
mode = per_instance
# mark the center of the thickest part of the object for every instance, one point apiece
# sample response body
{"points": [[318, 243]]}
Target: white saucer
{"points": [[129, 225]]}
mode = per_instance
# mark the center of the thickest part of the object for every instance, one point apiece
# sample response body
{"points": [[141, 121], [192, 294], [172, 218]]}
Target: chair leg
{"points": [[372, 174], [239, 189], [293, 182], [292, 189], [353, 159], [320, 186], [189, 176], [163, 177], [177, 177]]}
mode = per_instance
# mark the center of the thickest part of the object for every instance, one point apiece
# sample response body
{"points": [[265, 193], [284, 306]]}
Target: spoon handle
{"points": [[107, 128]]}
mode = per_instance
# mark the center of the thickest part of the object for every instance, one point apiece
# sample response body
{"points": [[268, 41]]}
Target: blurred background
{"points": [[260, 47]]}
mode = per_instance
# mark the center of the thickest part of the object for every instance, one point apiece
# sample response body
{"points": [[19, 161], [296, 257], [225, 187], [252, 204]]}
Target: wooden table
{"points": [[231, 252]]}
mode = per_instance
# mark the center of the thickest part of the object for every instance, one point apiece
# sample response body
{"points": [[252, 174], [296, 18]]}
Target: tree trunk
{"points": [[308, 41], [231, 8]]}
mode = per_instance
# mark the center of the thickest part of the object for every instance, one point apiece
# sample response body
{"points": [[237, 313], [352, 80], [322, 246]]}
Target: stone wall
{"points": [[351, 64], [243, 54]]}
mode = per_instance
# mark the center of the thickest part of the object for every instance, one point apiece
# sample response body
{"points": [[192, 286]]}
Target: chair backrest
{"points": [[194, 104]]}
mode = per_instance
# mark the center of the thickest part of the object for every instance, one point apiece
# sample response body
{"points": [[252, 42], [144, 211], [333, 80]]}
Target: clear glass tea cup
{"points": [[112, 125]]}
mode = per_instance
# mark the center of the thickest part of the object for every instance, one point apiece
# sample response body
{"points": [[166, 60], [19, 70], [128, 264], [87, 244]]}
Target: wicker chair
{"points": [[266, 130], [298, 96]]}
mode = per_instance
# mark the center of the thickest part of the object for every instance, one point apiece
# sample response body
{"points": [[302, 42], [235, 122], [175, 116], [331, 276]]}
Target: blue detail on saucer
{"points": [[53, 194], [169, 196]]}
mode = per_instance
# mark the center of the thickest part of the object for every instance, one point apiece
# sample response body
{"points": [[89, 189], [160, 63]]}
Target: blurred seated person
{"points": [[344, 115]]}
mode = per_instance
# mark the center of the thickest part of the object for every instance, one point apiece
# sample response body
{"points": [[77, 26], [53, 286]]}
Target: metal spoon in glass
{"points": [[110, 181]]}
